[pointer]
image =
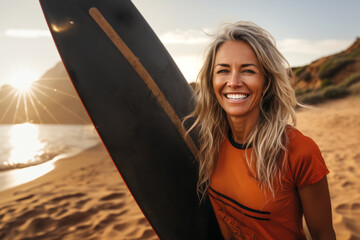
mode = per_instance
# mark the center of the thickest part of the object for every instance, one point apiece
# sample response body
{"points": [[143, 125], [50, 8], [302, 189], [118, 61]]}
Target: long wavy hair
{"points": [[268, 138]]}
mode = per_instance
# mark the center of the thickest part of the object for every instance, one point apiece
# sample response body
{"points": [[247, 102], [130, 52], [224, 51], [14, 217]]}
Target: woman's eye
{"points": [[223, 71], [248, 71]]}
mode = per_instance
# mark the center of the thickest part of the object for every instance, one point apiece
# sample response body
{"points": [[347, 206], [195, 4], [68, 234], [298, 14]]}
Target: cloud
{"points": [[189, 36], [27, 33], [189, 65], [313, 47]]}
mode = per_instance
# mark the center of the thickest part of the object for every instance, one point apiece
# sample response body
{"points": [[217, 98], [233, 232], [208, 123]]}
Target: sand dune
{"points": [[85, 198]]}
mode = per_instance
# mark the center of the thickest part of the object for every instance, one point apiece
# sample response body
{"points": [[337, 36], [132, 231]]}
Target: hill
{"points": [[333, 76], [50, 100]]}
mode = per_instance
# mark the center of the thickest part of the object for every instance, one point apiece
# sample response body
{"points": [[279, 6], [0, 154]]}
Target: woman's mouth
{"points": [[236, 96]]}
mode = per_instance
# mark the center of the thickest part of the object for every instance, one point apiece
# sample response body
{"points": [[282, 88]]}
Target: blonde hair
{"points": [[268, 139]]}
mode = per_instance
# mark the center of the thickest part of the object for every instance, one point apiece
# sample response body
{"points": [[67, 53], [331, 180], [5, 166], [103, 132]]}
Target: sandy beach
{"points": [[85, 198], [335, 127]]}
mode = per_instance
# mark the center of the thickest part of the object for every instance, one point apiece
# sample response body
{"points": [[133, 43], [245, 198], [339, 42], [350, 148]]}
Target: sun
{"points": [[22, 79]]}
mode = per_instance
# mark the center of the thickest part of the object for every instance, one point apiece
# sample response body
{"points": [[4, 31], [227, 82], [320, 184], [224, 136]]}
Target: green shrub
{"points": [[325, 83], [355, 53], [352, 79], [300, 92], [355, 89], [329, 92], [306, 76], [333, 65], [299, 70], [334, 92], [311, 98]]}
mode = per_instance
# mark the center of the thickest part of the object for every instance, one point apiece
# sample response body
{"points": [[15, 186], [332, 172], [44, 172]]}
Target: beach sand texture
{"points": [[335, 127], [85, 198]]}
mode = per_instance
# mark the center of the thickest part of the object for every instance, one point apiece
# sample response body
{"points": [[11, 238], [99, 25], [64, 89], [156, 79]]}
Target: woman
{"points": [[261, 174]]}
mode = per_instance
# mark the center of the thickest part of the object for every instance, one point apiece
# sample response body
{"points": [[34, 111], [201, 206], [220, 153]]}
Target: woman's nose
{"points": [[235, 80]]}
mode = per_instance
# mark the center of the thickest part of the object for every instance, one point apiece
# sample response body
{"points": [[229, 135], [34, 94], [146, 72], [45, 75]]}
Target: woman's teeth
{"points": [[232, 96]]}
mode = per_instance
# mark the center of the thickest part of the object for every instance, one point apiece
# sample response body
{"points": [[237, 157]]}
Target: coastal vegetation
{"points": [[351, 86], [331, 77]]}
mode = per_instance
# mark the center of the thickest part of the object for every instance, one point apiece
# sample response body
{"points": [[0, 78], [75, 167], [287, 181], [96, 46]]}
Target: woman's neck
{"points": [[241, 127]]}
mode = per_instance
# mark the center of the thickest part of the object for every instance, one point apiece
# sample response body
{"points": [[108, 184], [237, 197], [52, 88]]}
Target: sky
{"points": [[304, 30]]}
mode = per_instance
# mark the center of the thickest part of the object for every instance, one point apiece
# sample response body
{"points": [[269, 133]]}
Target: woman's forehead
{"points": [[235, 51]]}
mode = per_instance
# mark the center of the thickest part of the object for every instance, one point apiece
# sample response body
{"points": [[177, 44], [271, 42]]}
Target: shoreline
{"points": [[55, 172], [23, 175], [19, 166], [30, 150]]}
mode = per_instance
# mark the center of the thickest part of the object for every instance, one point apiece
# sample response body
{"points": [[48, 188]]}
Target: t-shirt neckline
{"points": [[235, 144]]}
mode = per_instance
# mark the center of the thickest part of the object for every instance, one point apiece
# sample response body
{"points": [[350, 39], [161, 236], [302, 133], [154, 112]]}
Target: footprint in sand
{"points": [[123, 212], [121, 227], [112, 196], [18, 220], [147, 234], [11, 210], [75, 218], [142, 221], [6, 207], [111, 206], [349, 215], [25, 198], [342, 207], [31, 213], [355, 207], [76, 195], [38, 225], [348, 184], [60, 209], [62, 212], [83, 227], [105, 222], [81, 203], [351, 169], [349, 209]]}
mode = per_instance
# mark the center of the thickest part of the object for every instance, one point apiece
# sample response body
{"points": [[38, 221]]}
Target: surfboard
{"points": [[136, 98]]}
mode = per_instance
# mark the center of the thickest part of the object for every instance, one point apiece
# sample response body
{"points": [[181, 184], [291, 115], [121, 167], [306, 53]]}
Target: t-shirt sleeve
{"points": [[308, 164]]}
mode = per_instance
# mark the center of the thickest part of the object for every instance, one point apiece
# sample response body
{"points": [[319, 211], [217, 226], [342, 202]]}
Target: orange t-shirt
{"points": [[244, 211]]}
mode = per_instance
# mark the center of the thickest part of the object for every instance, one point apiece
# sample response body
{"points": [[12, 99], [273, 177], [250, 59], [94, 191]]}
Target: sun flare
{"points": [[22, 79]]}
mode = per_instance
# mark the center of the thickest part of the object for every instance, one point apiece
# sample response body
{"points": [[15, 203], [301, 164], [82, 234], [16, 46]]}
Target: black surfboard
{"points": [[136, 97]]}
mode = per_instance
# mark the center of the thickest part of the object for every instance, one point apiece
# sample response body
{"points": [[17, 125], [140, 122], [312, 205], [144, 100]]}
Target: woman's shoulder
{"points": [[305, 162], [298, 142]]}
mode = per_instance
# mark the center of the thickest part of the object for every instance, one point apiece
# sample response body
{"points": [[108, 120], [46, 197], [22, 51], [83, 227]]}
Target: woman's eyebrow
{"points": [[222, 65], [249, 64], [243, 65]]}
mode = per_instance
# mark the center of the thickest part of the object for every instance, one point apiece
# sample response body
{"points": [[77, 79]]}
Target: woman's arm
{"points": [[315, 200]]}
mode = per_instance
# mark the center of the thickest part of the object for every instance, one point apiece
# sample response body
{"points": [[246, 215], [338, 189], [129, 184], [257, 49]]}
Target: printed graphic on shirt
{"points": [[233, 217]]}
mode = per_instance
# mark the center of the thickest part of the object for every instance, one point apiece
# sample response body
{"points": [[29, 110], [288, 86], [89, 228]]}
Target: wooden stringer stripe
{"points": [[143, 73]]}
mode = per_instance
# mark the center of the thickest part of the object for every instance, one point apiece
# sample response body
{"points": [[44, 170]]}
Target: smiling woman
{"points": [[261, 174]]}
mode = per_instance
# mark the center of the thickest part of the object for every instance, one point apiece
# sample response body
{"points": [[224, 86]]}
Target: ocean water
{"points": [[28, 151]]}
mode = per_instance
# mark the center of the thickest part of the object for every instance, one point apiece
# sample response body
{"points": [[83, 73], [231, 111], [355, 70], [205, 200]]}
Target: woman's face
{"points": [[238, 80]]}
